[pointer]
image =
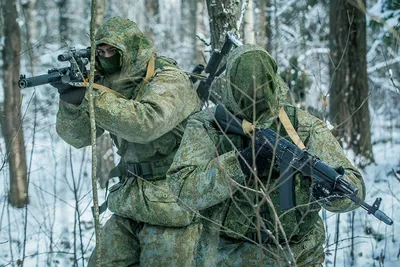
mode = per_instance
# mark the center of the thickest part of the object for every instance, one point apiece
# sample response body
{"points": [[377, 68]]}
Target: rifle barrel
{"points": [[38, 80]]}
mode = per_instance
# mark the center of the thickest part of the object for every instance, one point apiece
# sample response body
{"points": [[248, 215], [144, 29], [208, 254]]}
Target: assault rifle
{"points": [[74, 73], [212, 69], [291, 159]]}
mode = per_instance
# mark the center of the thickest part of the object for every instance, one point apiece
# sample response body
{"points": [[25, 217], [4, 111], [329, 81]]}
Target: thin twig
{"points": [[93, 132]]}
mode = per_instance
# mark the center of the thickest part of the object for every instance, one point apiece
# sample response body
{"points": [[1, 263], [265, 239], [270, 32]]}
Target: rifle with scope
{"points": [[76, 72]]}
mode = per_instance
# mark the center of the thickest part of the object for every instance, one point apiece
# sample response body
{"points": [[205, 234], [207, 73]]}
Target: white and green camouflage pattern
{"points": [[207, 177]]}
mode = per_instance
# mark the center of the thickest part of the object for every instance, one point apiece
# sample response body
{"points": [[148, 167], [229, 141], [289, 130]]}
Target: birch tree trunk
{"points": [[11, 122], [249, 35], [349, 94]]}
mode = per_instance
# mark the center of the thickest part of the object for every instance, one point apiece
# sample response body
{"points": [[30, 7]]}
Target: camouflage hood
{"points": [[135, 50], [251, 78]]}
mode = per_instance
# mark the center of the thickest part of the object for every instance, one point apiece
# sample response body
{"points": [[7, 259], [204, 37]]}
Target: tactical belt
{"points": [[155, 170], [150, 171]]}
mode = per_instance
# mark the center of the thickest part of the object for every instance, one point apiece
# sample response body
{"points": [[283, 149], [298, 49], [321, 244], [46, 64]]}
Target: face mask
{"points": [[110, 65]]}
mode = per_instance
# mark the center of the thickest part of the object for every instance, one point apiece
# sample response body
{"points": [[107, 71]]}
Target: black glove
{"points": [[323, 195], [263, 156], [70, 94]]}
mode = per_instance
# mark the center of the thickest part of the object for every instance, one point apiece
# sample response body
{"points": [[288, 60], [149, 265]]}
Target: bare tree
{"points": [[152, 17], [11, 122], [100, 11], [63, 20], [349, 86], [248, 25], [29, 13], [188, 32], [201, 28], [223, 17]]}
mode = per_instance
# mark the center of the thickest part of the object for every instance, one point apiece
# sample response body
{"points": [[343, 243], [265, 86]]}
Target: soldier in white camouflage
{"points": [[145, 114], [242, 221]]}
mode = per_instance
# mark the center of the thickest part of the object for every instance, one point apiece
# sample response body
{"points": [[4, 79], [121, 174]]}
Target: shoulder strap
{"points": [[97, 87], [283, 117], [149, 74], [151, 69]]}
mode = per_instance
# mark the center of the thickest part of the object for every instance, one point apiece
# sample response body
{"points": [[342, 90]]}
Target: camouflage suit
{"points": [[146, 124], [206, 175]]}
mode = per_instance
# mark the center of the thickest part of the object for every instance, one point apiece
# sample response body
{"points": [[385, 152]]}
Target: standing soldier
{"points": [[145, 113]]}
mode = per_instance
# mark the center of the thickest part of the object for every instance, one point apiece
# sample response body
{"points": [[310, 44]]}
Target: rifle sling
{"points": [[283, 117], [149, 74], [151, 69], [97, 87], [287, 195]]}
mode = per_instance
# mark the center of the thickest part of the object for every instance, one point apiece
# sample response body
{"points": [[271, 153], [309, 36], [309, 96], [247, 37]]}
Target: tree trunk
{"points": [[63, 20], [275, 40], [268, 26], [223, 15], [29, 12], [202, 27], [249, 36], [152, 17], [349, 86], [188, 33], [11, 123], [264, 31], [100, 8]]}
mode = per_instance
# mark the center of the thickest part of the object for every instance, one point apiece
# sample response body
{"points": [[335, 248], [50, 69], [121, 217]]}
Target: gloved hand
{"points": [[323, 195], [263, 156], [70, 94]]}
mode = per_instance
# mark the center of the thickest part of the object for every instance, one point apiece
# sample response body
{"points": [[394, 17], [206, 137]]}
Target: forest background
{"points": [[340, 60]]}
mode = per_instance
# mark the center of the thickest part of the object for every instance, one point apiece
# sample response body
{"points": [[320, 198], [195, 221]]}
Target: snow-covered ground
{"points": [[375, 243]]}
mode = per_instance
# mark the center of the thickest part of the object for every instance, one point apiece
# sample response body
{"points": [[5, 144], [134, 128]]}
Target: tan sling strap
{"points": [[290, 129], [98, 87], [248, 128], [151, 66], [149, 74]]}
